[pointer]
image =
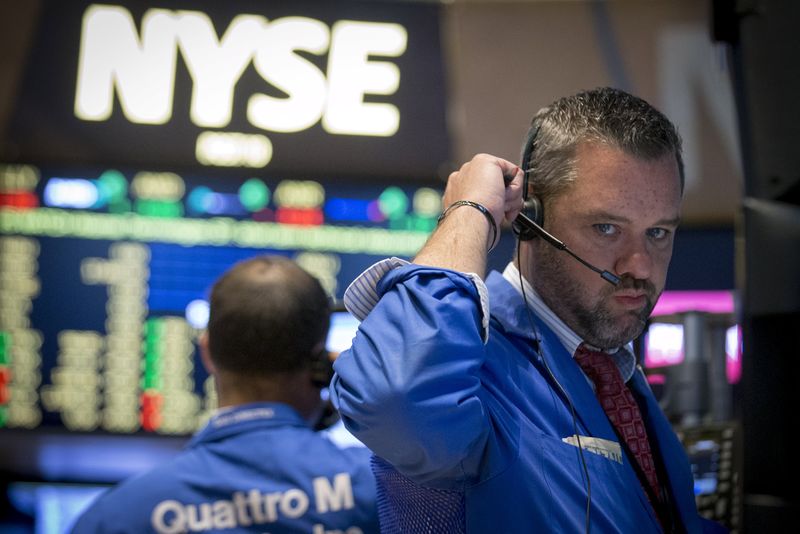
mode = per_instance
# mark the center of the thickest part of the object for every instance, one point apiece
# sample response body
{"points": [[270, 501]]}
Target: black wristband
{"points": [[478, 207]]}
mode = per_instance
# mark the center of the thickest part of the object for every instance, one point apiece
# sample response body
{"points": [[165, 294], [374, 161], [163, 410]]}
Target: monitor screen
{"points": [[663, 347], [663, 340], [342, 331]]}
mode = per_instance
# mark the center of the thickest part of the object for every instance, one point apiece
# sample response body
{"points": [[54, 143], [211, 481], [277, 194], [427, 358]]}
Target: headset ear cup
{"points": [[532, 208]]}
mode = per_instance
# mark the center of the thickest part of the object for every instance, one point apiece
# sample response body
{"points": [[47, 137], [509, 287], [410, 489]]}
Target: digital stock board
{"points": [[105, 280]]}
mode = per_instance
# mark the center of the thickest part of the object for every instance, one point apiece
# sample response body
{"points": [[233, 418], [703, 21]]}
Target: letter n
{"points": [[113, 57]]}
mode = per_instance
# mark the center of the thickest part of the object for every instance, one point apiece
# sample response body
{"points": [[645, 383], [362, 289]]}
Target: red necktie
{"points": [[620, 407]]}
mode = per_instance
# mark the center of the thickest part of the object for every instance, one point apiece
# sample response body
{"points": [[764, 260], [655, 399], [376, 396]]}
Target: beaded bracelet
{"points": [[478, 207]]}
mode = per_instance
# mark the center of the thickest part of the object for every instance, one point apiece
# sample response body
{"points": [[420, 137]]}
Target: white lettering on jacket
{"points": [[253, 507]]}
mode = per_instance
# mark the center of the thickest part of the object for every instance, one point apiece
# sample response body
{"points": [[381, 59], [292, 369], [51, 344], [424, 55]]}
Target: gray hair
{"points": [[603, 115]]}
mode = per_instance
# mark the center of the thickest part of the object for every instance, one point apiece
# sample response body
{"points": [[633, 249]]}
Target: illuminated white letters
{"points": [[112, 56], [140, 70], [296, 76], [215, 65], [351, 76], [231, 149]]}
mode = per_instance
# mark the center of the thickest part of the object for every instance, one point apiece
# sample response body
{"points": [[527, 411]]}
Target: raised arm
{"points": [[409, 387], [465, 234]]}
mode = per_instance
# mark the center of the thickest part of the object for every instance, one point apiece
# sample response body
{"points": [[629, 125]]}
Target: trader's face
{"points": [[620, 215]]}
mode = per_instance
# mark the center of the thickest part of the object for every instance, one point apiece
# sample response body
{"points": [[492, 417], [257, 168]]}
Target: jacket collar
{"points": [[247, 417], [508, 308]]}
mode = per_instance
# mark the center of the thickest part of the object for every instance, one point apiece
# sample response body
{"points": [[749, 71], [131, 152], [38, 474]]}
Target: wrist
{"points": [[493, 228]]}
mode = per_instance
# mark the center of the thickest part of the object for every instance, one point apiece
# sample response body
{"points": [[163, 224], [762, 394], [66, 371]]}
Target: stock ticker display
{"points": [[105, 276]]}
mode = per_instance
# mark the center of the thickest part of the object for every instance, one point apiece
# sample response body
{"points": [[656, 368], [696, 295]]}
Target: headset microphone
{"points": [[528, 223], [525, 221]]}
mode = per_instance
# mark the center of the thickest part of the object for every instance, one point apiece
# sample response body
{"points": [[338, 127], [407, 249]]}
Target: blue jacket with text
{"points": [[255, 468]]}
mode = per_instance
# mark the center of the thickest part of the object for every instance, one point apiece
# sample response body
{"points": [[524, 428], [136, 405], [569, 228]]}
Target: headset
{"points": [[321, 368], [531, 205], [529, 222]]}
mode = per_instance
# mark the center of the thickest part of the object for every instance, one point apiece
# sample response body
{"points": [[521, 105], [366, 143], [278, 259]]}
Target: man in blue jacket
{"points": [[257, 466], [471, 389]]}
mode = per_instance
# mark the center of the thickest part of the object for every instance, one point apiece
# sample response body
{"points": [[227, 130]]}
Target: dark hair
{"points": [[604, 115], [266, 315]]}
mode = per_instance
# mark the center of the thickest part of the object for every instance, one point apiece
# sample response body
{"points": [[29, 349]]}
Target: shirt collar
{"points": [[622, 356]]}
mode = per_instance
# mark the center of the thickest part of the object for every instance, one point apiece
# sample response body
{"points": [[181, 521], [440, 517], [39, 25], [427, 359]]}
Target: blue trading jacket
{"points": [[256, 468], [485, 422]]}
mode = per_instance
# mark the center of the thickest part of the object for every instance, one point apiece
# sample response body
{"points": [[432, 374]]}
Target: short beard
{"points": [[603, 330], [585, 314]]}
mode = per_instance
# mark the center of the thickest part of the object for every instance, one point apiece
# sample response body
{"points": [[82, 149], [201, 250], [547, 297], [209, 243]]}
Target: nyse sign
{"points": [[141, 68], [304, 85]]}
